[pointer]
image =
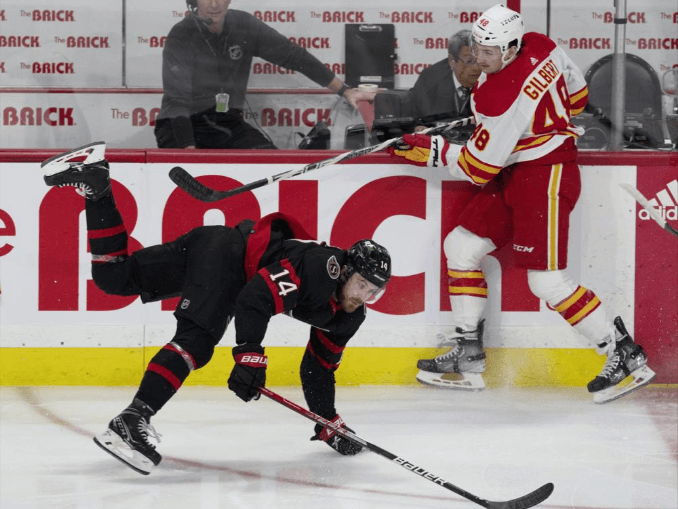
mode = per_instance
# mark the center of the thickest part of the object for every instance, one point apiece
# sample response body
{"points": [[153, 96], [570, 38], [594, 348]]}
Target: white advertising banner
{"points": [[119, 44], [70, 43], [65, 69], [48, 298], [127, 120]]}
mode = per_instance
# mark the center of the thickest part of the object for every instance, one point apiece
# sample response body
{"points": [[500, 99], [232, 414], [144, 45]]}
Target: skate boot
{"points": [[127, 438], [90, 177], [459, 368], [625, 360]]}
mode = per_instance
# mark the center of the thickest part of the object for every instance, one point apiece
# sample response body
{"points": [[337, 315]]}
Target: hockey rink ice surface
{"points": [[219, 452]]}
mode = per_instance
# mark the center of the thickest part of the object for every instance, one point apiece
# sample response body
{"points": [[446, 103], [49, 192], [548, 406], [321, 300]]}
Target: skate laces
{"points": [[611, 364], [455, 342], [455, 352], [147, 430]]}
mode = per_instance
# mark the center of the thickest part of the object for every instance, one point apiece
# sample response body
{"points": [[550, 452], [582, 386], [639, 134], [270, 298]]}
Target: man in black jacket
{"points": [[247, 274], [206, 64], [443, 90]]}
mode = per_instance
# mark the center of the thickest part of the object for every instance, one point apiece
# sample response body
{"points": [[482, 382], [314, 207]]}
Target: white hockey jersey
{"points": [[522, 112]]}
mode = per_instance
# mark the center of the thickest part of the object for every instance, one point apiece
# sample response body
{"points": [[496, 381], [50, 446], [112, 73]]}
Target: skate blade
{"points": [[640, 377], [92, 152], [458, 381], [116, 447]]}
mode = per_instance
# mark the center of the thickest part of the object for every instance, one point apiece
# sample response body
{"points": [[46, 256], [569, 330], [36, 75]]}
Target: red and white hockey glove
{"points": [[249, 372], [337, 442], [422, 150]]}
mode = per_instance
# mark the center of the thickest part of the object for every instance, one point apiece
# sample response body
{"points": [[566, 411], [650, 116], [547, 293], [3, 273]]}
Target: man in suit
{"points": [[443, 90]]}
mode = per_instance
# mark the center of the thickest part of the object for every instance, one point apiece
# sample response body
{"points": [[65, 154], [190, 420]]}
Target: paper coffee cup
{"points": [[368, 87]]}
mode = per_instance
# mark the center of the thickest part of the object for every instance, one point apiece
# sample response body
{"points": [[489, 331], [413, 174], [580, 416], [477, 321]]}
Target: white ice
{"points": [[219, 452]]}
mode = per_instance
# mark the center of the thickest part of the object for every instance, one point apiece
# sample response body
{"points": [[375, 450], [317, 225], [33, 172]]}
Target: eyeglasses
{"points": [[468, 60]]}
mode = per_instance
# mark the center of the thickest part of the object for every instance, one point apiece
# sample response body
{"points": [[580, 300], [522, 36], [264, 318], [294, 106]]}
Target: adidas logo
{"points": [[533, 61], [666, 203]]}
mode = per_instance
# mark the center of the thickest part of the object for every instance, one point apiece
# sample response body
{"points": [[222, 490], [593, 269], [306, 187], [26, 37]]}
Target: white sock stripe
{"points": [[185, 355]]}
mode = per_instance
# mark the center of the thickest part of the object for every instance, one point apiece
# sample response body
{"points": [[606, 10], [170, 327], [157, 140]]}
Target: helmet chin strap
{"points": [[504, 63]]}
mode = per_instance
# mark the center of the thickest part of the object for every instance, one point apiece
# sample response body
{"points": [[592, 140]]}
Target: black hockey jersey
{"points": [[299, 278]]}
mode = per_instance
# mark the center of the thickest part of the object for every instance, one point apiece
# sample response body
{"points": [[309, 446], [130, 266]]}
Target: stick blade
{"points": [[529, 500], [190, 185]]}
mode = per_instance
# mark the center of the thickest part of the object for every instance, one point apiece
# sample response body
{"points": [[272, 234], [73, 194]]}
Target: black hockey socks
{"points": [[170, 367], [105, 230], [164, 376]]}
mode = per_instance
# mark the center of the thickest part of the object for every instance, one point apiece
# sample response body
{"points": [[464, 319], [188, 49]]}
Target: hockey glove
{"points": [[422, 150], [249, 372], [337, 442]]}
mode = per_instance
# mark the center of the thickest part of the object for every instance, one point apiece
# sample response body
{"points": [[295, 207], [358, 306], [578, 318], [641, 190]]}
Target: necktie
{"points": [[463, 94]]}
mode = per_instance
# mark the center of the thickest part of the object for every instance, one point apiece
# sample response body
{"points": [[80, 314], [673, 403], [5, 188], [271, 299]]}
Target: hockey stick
{"points": [[529, 500], [188, 183], [649, 208]]}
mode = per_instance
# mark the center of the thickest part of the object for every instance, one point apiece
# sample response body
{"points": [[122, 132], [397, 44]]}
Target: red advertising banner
{"points": [[656, 309]]}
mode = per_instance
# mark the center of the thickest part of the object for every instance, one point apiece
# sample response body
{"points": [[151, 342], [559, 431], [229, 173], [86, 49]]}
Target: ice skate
{"points": [[127, 438], [90, 176], [625, 369], [459, 368]]}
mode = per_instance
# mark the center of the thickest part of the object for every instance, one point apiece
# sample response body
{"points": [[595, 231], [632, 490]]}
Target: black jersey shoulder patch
{"points": [[333, 267]]}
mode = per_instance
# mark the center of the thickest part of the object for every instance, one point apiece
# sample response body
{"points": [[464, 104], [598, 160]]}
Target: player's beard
{"points": [[348, 304]]}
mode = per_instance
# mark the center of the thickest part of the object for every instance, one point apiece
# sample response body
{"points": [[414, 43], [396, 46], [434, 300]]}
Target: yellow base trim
{"points": [[508, 367]]}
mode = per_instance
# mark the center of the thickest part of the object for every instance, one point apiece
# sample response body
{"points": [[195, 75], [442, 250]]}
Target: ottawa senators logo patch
{"points": [[333, 268]]}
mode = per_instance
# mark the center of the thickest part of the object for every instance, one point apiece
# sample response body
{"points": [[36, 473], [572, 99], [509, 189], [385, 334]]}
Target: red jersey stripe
{"points": [[277, 299], [106, 232], [285, 264], [325, 341], [479, 171], [322, 361], [166, 374]]}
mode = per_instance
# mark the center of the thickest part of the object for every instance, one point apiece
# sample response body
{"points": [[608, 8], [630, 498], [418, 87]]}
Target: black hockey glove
{"points": [[249, 372], [338, 443]]}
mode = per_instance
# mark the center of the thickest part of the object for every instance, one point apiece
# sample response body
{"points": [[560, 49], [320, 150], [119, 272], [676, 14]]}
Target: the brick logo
{"points": [[51, 15], [405, 17], [95, 42], [51, 67], [276, 16], [410, 69], [339, 16], [632, 17], [294, 116], [587, 42], [27, 116], [153, 41], [312, 42], [658, 43], [19, 41]]}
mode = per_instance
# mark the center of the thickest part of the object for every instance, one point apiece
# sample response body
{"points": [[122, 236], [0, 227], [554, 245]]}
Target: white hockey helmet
{"points": [[498, 26]]}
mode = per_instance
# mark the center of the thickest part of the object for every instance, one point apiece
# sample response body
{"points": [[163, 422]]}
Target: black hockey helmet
{"points": [[371, 261]]}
